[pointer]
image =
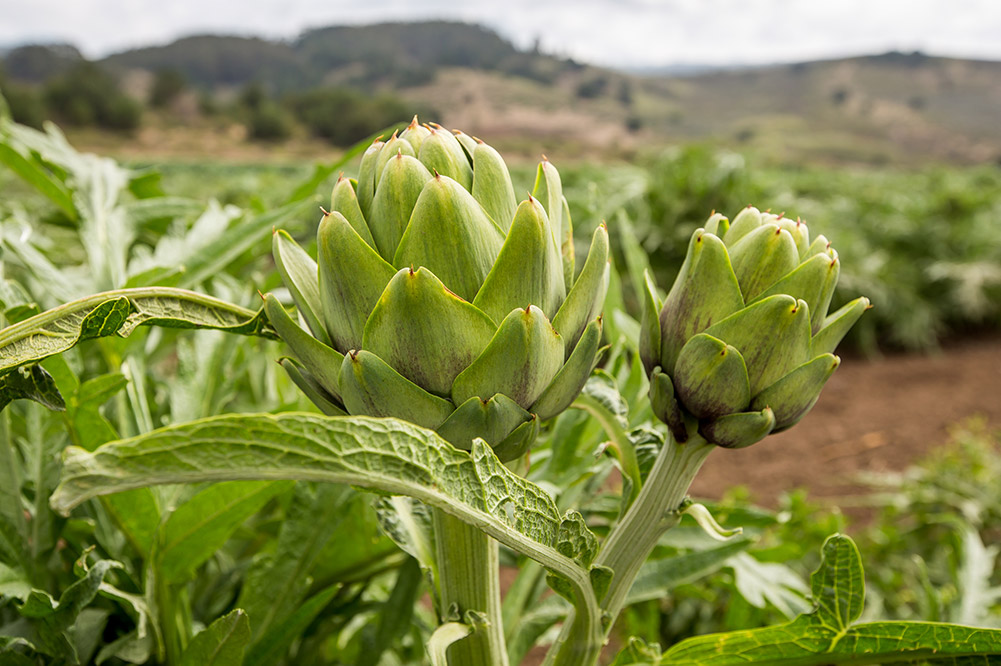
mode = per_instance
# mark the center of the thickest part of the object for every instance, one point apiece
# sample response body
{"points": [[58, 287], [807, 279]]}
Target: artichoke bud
{"points": [[438, 299], [745, 340]]}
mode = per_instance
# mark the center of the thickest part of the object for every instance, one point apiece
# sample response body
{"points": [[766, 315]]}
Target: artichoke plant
{"points": [[437, 298], [743, 343]]}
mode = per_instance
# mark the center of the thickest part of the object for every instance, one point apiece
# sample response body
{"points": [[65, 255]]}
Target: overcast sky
{"points": [[608, 32]]}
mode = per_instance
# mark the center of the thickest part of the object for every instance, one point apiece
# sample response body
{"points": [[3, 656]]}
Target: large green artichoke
{"points": [[743, 344], [438, 299]]}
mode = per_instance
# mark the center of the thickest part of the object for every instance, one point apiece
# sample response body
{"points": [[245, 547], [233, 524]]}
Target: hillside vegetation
{"points": [[889, 109]]}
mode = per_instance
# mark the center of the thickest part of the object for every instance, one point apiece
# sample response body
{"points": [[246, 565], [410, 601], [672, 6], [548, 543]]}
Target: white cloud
{"points": [[624, 32]]}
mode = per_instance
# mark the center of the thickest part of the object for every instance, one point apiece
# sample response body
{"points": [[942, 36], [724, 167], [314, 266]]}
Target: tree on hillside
{"points": [[88, 95]]}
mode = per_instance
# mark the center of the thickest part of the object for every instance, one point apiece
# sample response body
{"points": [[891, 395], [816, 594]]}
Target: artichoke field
{"points": [[743, 343], [439, 299]]}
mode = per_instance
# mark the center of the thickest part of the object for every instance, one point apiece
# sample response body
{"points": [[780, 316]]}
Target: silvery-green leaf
{"points": [[344, 200], [812, 281], [710, 378], [650, 324], [373, 388], [665, 405], [403, 180], [491, 420], [414, 134], [837, 325], [736, 431], [450, 234], [704, 292], [762, 258], [772, 335], [523, 356], [384, 454], [426, 332], [442, 153], [585, 298], [746, 221], [492, 184], [119, 312], [528, 269], [300, 275], [352, 277], [322, 362], [569, 381], [792, 396], [367, 176]]}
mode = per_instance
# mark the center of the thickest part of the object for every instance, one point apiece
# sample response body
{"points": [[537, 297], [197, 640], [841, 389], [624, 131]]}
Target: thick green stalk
{"points": [[468, 570], [654, 512], [632, 540]]}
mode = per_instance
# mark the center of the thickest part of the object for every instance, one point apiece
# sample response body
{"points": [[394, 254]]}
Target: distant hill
{"points": [[898, 108], [385, 54]]}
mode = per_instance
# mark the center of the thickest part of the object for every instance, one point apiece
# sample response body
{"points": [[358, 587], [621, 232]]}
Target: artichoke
{"points": [[439, 299], [743, 343]]}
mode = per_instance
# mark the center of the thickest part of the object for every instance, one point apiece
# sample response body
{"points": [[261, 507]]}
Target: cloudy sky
{"points": [[610, 32]]}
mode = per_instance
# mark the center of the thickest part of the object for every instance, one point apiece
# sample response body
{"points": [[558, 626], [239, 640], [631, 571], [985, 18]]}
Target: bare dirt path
{"points": [[873, 415]]}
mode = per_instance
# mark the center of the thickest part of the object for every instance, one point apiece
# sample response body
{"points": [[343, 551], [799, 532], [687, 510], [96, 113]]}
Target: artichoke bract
{"points": [[439, 299], [743, 343]]}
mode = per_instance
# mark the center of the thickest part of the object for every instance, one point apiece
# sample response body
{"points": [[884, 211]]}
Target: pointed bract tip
{"points": [[412, 271], [478, 140], [394, 135], [437, 175], [544, 158], [531, 199], [353, 354], [413, 123], [326, 213], [712, 212], [259, 293], [749, 206], [378, 139], [399, 153], [340, 177], [436, 126], [782, 214]]}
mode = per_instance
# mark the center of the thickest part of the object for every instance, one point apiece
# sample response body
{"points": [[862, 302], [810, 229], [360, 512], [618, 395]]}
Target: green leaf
{"points": [[200, 526], [270, 647], [443, 638], [34, 172], [657, 578], [396, 613], [119, 313], [425, 332], [222, 643], [31, 383], [277, 581], [830, 634], [383, 454]]}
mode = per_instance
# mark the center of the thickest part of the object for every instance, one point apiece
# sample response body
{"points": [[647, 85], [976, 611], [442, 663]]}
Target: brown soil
{"points": [[874, 415]]}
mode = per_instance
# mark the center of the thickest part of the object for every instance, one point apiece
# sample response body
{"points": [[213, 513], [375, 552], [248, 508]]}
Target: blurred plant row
{"points": [[327, 575]]}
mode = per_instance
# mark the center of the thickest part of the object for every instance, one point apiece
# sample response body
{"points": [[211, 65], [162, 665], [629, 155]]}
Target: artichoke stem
{"points": [[468, 578], [633, 539]]}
